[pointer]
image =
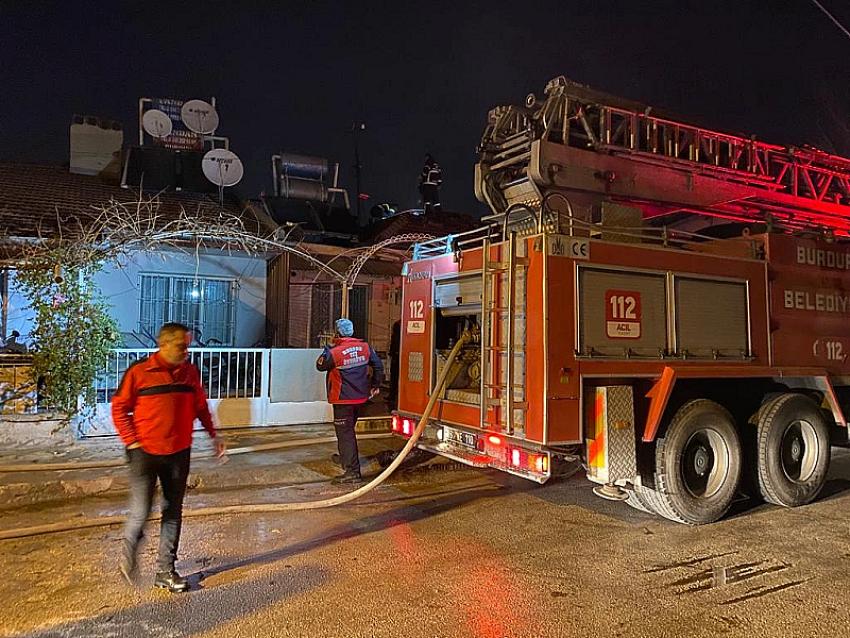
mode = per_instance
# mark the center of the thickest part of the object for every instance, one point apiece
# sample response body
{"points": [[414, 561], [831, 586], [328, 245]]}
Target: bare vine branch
{"points": [[117, 229]]}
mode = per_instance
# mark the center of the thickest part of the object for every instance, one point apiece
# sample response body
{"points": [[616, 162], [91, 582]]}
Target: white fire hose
{"points": [[260, 447], [258, 508]]}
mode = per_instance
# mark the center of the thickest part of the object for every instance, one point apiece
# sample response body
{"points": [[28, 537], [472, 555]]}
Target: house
{"points": [[257, 317], [219, 294]]}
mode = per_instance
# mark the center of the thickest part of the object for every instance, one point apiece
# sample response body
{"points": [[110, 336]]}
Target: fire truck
{"points": [[664, 305]]}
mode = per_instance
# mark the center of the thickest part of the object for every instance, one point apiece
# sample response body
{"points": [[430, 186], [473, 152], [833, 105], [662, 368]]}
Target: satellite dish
{"points": [[156, 123], [222, 167], [199, 117]]}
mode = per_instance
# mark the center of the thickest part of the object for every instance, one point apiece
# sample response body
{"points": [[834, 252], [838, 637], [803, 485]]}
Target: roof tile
{"points": [[35, 197]]}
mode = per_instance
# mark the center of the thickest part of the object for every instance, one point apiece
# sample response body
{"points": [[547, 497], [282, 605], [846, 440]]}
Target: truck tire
{"points": [[697, 465], [638, 500], [793, 450]]}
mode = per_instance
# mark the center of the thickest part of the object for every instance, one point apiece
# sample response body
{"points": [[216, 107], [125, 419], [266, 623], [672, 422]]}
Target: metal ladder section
{"points": [[498, 336]]}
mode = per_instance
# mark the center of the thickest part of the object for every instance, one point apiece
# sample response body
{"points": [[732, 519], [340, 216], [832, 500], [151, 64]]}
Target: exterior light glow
{"points": [[541, 463]]}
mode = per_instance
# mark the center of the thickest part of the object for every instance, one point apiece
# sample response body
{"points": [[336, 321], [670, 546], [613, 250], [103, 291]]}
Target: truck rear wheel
{"points": [[697, 464], [637, 498], [793, 450]]}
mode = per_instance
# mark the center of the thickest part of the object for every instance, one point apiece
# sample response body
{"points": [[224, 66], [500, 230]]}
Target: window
{"points": [[326, 309], [204, 304]]}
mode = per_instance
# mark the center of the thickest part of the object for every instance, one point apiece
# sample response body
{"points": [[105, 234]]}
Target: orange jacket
{"points": [[156, 406]]}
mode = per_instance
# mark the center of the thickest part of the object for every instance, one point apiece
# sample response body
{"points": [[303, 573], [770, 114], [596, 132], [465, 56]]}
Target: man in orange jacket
{"points": [[154, 411]]}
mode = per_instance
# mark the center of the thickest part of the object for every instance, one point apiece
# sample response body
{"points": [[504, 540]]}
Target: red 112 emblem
{"points": [[622, 314]]}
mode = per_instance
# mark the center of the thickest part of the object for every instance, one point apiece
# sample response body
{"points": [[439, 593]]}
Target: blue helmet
{"points": [[344, 327]]}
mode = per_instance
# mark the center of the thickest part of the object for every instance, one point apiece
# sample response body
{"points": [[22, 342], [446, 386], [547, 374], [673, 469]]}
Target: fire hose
{"points": [[91, 465], [262, 508]]}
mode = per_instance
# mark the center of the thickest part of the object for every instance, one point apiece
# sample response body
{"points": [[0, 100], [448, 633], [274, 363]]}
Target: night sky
{"points": [[294, 76]]}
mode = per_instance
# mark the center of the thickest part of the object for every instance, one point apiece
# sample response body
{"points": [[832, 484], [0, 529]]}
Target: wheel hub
{"points": [[705, 463], [702, 459], [799, 451], [796, 449]]}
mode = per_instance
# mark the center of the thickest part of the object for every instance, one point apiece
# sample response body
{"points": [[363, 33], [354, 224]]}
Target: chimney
{"points": [[96, 146]]}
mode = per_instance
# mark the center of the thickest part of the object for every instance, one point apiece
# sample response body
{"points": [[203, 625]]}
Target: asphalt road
{"points": [[460, 553]]}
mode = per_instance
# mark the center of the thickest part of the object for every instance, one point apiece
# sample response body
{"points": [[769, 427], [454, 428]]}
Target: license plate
{"points": [[461, 438]]}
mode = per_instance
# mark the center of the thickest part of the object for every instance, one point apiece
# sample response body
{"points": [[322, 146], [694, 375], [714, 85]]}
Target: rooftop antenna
{"points": [[223, 168], [199, 117], [157, 123]]}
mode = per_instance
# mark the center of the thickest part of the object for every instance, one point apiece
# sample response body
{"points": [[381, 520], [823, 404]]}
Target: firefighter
{"points": [[347, 362], [429, 184]]}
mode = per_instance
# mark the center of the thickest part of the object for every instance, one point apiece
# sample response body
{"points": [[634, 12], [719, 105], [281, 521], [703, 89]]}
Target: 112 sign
{"points": [[622, 314], [416, 323]]}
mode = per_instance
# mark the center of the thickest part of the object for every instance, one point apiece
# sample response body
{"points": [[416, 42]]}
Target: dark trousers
{"points": [[345, 418], [172, 470]]}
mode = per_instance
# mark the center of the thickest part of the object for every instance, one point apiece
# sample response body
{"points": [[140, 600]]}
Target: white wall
{"points": [[120, 287], [293, 376]]}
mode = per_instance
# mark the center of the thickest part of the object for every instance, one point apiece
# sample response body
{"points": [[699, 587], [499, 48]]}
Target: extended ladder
{"points": [[740, 178]]}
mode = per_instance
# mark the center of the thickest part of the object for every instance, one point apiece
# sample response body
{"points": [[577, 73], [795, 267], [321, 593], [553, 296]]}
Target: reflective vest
{"points": [[347, 363]]}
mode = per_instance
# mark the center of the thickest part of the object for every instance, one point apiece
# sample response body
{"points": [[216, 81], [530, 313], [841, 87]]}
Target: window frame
{"points": [[170, 302], [334, 290]]}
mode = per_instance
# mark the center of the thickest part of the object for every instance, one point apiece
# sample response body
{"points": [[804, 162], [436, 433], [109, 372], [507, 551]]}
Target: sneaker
{"points": [[347, 479], [172, 581]]}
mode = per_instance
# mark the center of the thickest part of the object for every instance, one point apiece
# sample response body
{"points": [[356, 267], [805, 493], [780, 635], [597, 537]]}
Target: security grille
{"points": [[206, 305], [327, 308]]}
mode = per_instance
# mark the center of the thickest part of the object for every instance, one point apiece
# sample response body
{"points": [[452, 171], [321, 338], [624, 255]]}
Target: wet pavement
{"points": [[41, 484], [442, 552]]}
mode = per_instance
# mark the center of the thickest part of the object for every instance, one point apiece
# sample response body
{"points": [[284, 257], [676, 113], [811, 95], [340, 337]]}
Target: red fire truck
{"points": [[615, 319]]}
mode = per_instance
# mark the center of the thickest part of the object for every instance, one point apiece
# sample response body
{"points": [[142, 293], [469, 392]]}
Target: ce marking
{"points": [[579, 248], [572, 247]]}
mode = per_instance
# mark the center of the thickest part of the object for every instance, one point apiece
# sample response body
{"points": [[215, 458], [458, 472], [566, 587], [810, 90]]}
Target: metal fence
{"points": [[226, 373]]}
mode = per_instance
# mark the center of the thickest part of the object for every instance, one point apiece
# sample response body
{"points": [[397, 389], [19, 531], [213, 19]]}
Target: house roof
{"points": [[375, 267], [37, 199], [437, 224]]}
